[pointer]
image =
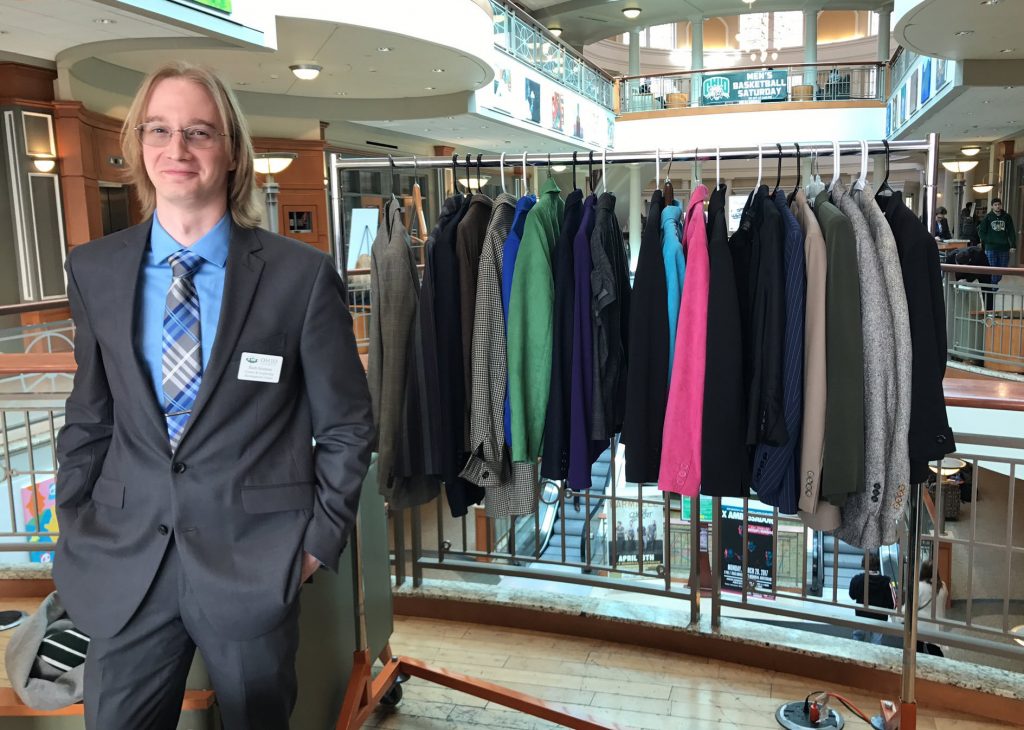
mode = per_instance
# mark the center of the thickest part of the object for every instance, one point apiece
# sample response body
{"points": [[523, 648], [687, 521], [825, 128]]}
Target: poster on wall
{"points": [[912, 95], [502, 90], [531, 92], [639, 533], [888, 119], [926, 80], [362, 231], [903, 104], [37, 504], [940, 73], [760, 551], [557, 112]]}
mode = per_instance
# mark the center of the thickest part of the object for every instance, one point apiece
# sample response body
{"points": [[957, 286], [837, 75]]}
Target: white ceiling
{"points": [[930, 28], [472, 131], [352, 64], [588, 21], [977, 114], [44, 28]]}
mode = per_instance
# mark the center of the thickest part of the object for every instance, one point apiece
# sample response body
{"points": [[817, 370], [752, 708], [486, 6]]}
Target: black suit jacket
{"points": [[930, 435], [647, 378], [555, 460], [245, 492], [724, 454]]}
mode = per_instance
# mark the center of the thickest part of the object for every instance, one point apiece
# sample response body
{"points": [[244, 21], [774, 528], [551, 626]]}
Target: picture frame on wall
{"points": [[912, 94], [903, 104], [940, 73], [926, 80]]}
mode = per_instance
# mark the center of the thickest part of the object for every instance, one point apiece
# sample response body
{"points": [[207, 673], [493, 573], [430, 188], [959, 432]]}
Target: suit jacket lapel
{"points": [[242, 275], [125, 274]]}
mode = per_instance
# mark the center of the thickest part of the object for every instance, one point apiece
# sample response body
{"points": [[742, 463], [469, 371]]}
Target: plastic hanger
{"points": [[657, 167], [455, 173], [479, 185], [835, 166], [778, 171], [814, 185], [590, 172], [526, 190], [469, 172], [574, 170], [718, 167], [549, 166], [884, 188], [696, 166], [862, 181], [501, 172], [604, 179], [792, 195], [394, 173], [666, 189], [757, 185]]}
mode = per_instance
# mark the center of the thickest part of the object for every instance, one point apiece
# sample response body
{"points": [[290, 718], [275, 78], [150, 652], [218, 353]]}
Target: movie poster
{"points": [[760, 551], [40, 516], [639, 532]]}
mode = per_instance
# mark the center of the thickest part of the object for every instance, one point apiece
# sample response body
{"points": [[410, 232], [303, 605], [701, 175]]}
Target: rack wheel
{"points": [[393, 696]]}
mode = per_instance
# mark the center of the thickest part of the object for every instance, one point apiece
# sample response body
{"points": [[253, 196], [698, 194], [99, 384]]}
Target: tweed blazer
{"points": [[898, 457], [930, 436], [511, 488], [861, 511], [724, 466], [394, 298], [469, 242], [812, 446], [842, 471]]}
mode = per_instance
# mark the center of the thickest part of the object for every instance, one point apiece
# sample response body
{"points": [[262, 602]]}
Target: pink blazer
{"points": [[680, 453]]}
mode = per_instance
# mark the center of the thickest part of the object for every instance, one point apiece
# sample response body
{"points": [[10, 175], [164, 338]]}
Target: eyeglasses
{"points": [[199, 137]]}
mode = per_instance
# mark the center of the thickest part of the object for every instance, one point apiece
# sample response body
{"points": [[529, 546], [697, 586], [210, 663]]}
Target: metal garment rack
{"points": [[365, 691]]}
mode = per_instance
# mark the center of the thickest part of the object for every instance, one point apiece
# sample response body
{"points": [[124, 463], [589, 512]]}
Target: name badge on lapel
{"points": [[260, 368]]}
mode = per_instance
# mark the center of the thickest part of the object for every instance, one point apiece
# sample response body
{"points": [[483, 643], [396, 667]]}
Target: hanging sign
{"points": [[745, 87], [223, 5], [760, 551]]}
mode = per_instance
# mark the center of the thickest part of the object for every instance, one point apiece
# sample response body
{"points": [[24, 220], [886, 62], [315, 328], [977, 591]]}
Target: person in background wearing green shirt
{"points": [[998, 237]]}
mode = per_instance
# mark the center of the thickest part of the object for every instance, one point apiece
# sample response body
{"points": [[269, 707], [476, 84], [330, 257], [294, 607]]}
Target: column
{"points": [[810, 45], [948, 199], [696, 57], [636, 203], [884, 20], [634, 68]]}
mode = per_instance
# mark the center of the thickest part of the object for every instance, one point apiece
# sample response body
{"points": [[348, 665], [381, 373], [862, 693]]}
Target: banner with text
{"points": [[760, 551], [745, 87]]}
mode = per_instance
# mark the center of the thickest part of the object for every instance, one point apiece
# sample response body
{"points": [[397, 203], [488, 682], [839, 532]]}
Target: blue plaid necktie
{"points": [[182, 347]]}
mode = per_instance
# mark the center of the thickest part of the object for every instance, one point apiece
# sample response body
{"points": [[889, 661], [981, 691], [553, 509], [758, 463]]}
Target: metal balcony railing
{"points": [[516, 34], [740, 85], [985, 320]]}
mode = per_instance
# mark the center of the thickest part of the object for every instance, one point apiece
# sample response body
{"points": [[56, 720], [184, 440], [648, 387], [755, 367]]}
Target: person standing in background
{"points": [[879, 593], [941, 229], [998, 237]]}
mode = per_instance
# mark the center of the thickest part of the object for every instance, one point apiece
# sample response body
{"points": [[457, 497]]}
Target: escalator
{"points": [[850, 561]]}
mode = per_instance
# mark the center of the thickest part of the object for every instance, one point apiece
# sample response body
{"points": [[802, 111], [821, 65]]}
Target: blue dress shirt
{"points": [[155, 280], [675, 270], [508, 264]]}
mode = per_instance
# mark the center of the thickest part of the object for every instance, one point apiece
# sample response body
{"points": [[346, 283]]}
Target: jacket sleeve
{"points": [[1011, 232], [88, 416], [342, 416]]}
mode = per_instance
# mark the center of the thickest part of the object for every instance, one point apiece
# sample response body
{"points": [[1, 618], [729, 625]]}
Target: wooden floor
{"points": [[614, 683]]}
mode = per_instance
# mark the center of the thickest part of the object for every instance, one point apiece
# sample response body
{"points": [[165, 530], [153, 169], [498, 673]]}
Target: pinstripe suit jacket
{"points": [[510, 487]]}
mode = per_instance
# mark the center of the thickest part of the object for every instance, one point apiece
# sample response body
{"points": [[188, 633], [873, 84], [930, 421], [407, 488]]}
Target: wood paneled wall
{"points": [[302, 188]]}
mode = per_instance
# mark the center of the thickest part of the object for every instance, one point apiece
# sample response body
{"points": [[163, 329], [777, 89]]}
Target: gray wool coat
{"points": [[863, 514], [38, 684]]}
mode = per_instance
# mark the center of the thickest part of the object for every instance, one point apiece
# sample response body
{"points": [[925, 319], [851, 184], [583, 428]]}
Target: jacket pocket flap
{"points": [[109, 492], [277, 497]]}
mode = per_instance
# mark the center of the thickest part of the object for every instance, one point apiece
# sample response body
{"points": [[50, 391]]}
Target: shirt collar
{"points": [[212, 247]]}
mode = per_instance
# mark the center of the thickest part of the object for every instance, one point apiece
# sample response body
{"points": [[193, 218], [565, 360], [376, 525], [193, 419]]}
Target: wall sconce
{"points": [[44, 164], [269, 164]]}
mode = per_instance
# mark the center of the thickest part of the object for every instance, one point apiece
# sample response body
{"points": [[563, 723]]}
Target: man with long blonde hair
{"points": [[211, 355]]}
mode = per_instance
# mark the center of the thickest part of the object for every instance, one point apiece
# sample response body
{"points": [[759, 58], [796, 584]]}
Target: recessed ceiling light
{"points": [[439, 70], [989, 2], [964, 32], [105, 21], [372, 70], [1007, 50], [306, 71], [508, 141], [430, 88], [341, 93], [385, 49], [275, 76], [631, 13], [987, 101], [451, 117], [241, 83]]}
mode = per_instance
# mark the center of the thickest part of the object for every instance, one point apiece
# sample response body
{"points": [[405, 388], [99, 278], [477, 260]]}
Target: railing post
{"points": [[911, 563], [616, 104]]}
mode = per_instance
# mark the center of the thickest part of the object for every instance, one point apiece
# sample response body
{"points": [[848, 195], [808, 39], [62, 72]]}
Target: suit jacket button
{"points": [[163, 529], [940, 438], [485, 474], [179, 467]]}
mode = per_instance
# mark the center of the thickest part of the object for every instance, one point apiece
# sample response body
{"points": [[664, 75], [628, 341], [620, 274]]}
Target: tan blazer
{"points": [[816, 513]]}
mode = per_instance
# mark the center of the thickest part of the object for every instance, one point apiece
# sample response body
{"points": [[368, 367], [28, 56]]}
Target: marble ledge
{"points": [[966, 675], [26, 571]]}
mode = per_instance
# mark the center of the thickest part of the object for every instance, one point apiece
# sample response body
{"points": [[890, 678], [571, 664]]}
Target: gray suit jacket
{"points": [[246, 491], [394, 299]]}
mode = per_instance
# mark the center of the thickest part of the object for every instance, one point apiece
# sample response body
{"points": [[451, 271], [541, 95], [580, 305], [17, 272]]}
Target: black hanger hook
{"points": [[590, 172], [574, 170], [455, 171], [778, 173], [469, 170], [479, 185], [391, 161]]}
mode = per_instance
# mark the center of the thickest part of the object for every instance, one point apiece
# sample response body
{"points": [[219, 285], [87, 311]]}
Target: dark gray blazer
{"points": [[246, 491]]}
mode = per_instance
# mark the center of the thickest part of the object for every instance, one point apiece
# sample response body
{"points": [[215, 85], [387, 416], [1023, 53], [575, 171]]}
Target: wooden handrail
{"points": [[983, 270], [12, 706], [29, 307], [768, 67]]}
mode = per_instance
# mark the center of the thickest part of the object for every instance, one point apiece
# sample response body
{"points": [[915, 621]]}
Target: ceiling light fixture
{"points": [[341, 93], [989, 2], [105, 21], [44, 164], [385, 49], [1007, 50], [430, 88], [964, 32], [959, 166], [970, 150], [556, 31], [631, 13], [271, 163], [439, 70], [749, 2], [306, 71], [982, 188]]}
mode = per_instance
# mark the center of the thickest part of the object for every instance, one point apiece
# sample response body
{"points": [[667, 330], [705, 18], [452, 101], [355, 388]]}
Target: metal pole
{"points": [[336, 216], [912, 559]]}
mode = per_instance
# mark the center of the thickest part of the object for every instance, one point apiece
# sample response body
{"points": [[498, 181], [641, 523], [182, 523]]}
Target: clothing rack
{"points": [[364, 690]]}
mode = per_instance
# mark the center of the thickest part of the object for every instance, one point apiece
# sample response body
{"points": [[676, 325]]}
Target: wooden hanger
{"points": [[417, 203]]}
